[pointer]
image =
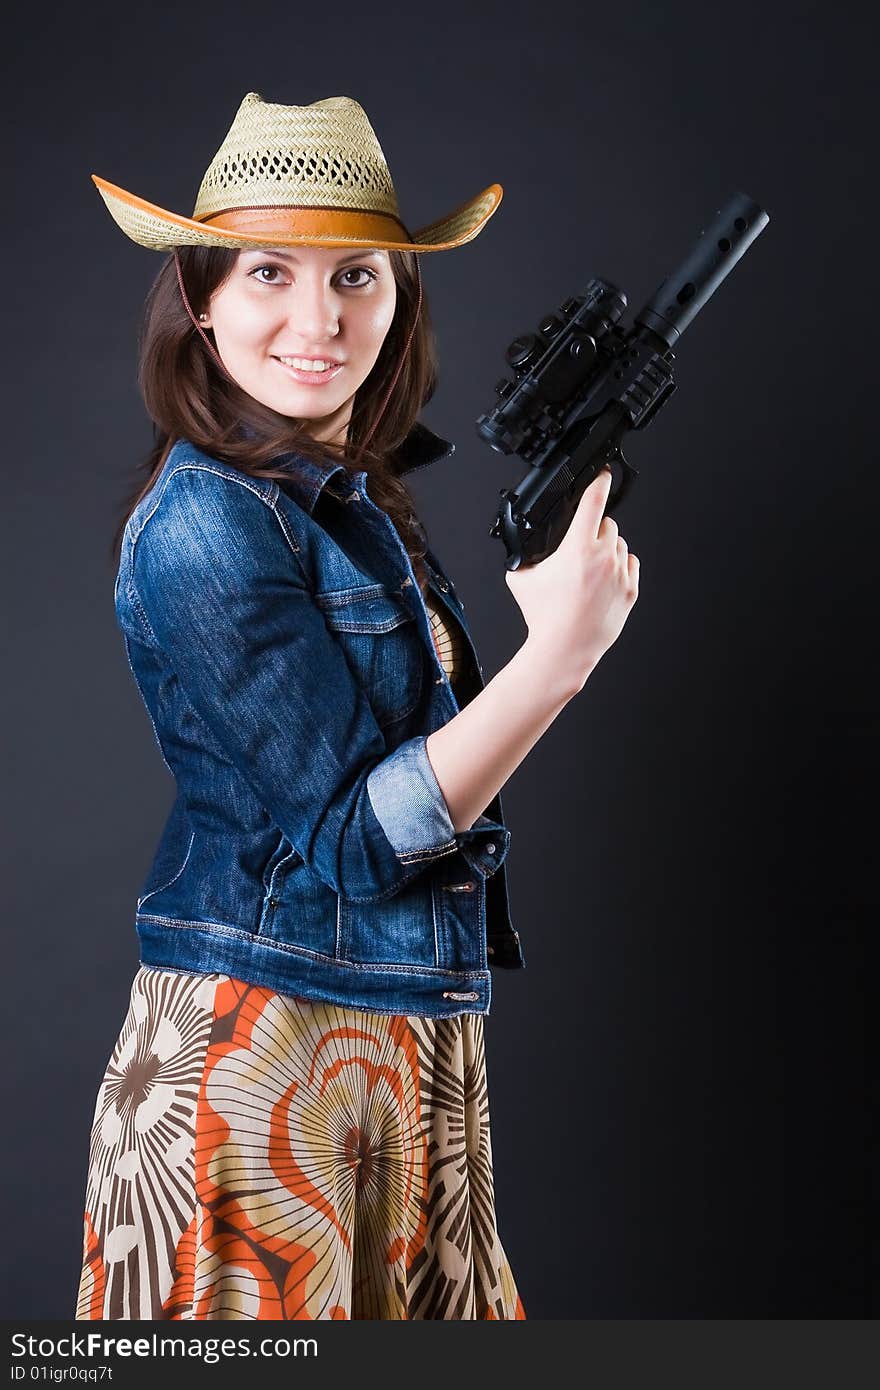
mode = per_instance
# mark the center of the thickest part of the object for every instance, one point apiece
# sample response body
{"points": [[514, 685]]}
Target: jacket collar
{"points": [[421, 447]]}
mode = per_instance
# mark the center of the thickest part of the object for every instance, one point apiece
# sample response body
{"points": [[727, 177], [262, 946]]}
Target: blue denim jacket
{"points": [[284, 652]]}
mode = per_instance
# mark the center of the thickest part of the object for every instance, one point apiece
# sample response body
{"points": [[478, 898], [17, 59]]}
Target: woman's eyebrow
{"points": [[288, 255]]}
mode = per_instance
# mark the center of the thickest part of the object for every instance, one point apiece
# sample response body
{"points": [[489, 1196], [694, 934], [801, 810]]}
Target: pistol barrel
{"points": [[682, 295]]}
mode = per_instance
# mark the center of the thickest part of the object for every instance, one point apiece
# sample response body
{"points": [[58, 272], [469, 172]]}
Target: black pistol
{"points": [[582, 381]]}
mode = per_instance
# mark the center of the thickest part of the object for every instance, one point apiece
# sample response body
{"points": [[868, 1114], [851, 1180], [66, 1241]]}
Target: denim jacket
{"points": [[284, 653]]}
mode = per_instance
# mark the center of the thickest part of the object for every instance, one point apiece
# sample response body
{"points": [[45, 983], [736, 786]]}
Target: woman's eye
{"points": [[353, 270], [360, 270], [256, 273]]}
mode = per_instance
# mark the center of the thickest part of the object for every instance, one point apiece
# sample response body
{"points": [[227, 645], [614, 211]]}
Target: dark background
{"points": [[678, 1080]]}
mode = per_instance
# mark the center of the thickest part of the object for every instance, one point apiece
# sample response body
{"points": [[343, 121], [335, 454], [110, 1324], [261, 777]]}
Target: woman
{"points": [[294, 1121]]}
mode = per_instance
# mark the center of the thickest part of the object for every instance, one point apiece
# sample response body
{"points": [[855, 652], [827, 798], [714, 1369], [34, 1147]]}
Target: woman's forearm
{"points": [[478, 750]]}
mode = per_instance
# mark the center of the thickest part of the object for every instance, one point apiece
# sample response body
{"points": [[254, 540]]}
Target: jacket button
{"points": [[273, 902], [490, 849]]}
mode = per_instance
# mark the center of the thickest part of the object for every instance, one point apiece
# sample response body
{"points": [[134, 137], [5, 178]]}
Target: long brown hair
{"points": [[187, 396]]}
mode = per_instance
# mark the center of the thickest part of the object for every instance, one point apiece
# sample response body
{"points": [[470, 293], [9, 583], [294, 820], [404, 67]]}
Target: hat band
{"points": [[333, 223]]}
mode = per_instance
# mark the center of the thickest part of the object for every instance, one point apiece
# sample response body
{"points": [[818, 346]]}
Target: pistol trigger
{"points": [[627, 477]]}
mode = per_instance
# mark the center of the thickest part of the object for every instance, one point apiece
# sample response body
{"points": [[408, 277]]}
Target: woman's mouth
{"points": [[309, 377]]}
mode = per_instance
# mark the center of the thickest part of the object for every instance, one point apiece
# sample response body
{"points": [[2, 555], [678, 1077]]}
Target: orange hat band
{"points": [[308, 222]]}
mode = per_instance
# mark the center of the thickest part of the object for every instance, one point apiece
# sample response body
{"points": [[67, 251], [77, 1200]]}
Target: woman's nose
{"points": [[315, 312]]}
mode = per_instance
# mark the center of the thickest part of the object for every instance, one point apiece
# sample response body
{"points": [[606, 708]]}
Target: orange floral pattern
{"points": [[260, 1156]]}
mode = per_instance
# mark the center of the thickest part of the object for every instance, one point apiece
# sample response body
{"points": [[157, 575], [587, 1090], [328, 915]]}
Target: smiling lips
{"points": [[311, 371]]}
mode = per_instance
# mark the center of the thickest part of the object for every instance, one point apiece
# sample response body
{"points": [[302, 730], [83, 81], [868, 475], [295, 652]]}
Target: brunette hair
{"points": [[187, 396]]}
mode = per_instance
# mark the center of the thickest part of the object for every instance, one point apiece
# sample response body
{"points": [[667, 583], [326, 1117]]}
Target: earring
{"points": [[202, 317]]}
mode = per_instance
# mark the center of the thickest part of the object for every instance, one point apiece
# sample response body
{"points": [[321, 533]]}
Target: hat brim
{"points": [[160, 230]]}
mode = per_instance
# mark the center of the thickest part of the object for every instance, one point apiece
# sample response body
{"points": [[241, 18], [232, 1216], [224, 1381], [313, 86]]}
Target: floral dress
{"points": [[257, 1155]]}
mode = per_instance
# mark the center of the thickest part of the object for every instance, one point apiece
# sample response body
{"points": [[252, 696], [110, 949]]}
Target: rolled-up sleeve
{"points": [[412, 810], [217, 583]]}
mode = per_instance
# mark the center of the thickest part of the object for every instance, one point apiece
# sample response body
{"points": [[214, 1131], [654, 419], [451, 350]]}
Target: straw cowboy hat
{"points": [[294, 176]]}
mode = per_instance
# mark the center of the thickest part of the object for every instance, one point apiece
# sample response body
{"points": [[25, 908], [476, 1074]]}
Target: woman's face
{"points": [[306, 302]]}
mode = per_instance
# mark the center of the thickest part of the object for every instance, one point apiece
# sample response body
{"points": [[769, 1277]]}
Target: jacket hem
{"points": [[199, 948]]}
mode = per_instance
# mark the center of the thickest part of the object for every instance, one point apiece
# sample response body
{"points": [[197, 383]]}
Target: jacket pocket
{"points": [[400, 930], [381, 642], [300, 910]]}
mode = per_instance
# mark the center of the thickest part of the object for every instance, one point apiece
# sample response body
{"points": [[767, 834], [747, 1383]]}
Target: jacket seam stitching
{"points": [[434, 917], [419, 855], [362, 593], [153, 891], [287, 532], [369, 967], [191, 466], [183, 922], [134, 676]]}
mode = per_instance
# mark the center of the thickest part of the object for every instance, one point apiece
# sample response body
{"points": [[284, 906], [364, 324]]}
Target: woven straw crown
{"points": [[272, 152], [292, 176]]}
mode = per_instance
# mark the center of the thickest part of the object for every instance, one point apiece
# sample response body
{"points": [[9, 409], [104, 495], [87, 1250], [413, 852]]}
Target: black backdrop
{"points": [[678, 1079]]}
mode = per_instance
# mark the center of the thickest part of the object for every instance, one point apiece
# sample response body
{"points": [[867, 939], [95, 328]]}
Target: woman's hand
{"points": [[576, 601]]}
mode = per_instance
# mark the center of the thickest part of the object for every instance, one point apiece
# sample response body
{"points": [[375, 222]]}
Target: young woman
{"points": [[294, 1121]]}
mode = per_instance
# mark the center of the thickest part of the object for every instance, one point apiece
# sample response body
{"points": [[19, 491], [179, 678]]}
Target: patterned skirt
{"points": [[260, 1156]]}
